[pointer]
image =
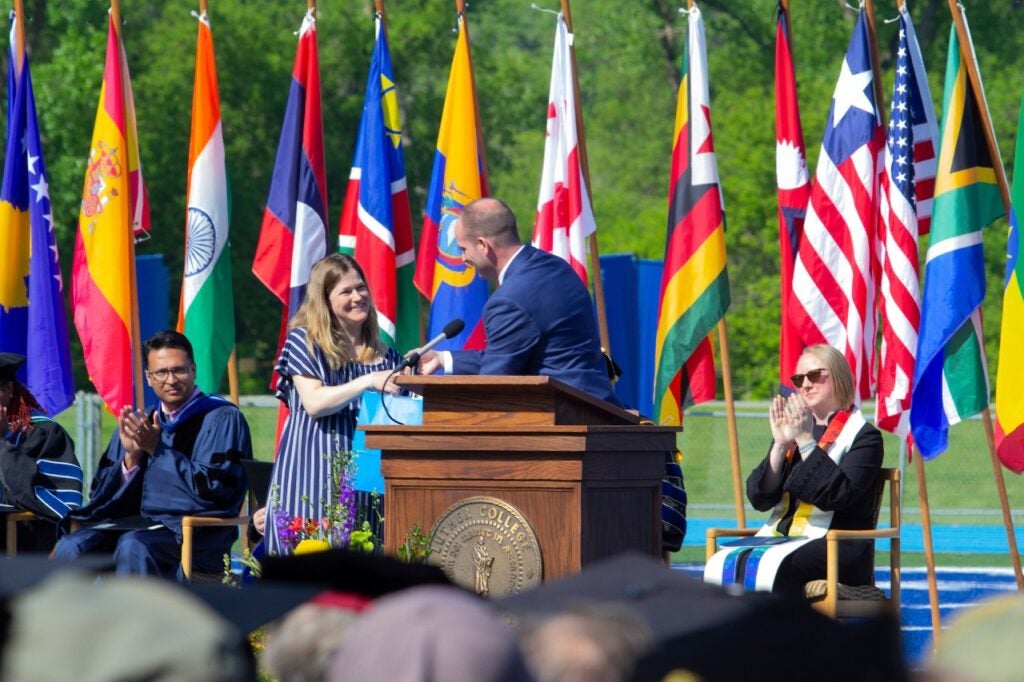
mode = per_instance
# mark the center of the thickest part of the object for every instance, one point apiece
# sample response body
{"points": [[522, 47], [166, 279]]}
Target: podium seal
{"points": [[486, 545]]}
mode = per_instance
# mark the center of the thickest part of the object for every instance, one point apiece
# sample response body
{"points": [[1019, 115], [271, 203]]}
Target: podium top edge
{"points": [[424, 384]]}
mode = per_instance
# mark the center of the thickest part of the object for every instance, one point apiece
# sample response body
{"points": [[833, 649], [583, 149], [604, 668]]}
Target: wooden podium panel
{"points": [[588, 490]]}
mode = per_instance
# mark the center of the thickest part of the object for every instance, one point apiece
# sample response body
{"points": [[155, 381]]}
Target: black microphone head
{"points": [[454, 328]]}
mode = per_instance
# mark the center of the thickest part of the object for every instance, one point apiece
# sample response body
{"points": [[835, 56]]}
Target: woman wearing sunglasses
{"points": [[820, 473]]}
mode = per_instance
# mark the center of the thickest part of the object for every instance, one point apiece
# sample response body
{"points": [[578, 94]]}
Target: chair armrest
{"points": [[189, 523], [712, 535], [214, 521], [877, 534], [13, 517], [731, 532]]}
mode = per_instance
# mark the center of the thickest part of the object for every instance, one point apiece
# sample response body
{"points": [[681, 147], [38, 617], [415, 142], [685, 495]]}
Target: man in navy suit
{"points": [[540, 319]]}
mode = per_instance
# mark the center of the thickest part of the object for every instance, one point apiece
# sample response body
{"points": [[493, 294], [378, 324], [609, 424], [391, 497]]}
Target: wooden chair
{"points": [[12, 519], [258, 475], [830, 596]]}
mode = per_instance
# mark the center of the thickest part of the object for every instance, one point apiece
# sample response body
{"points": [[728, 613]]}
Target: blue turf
{"points": [[958, 588]]}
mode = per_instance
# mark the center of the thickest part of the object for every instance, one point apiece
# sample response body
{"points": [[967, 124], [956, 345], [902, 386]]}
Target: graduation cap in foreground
{"points": [[702, 629], [246, 607], [75, 626], [369, 575], [21, 572]]}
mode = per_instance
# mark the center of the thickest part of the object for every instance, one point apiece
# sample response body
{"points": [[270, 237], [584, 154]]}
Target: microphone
{"points": [[453, 328]]}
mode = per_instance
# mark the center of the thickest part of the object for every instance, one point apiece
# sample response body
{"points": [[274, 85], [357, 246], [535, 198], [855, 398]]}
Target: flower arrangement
{"points": [[337, 527]]}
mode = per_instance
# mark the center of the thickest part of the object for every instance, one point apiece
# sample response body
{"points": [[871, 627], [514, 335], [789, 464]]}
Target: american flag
{"points": [[837, 261], [906, 204]]}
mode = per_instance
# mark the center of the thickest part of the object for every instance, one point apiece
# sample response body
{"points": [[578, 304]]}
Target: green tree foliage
{"points": [[629, 58]]}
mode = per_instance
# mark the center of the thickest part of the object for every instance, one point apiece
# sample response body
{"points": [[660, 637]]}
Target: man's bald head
{"points": [[491, 219]]}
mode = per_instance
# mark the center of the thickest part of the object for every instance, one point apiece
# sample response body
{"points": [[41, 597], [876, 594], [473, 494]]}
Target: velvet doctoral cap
{"points": [[10, 363]]}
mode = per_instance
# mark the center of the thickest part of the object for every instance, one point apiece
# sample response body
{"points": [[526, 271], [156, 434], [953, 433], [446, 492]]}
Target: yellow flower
{"points": [[311, 545]]}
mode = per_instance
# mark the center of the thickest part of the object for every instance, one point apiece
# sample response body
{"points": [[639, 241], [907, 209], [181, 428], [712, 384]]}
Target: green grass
{"points": [[960, 483], [262, 426]]}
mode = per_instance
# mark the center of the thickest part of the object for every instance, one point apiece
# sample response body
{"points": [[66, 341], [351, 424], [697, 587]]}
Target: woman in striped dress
{"points": [[333, 353]]}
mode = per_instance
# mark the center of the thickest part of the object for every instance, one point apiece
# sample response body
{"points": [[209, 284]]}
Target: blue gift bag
{"points": [[407, 410]]}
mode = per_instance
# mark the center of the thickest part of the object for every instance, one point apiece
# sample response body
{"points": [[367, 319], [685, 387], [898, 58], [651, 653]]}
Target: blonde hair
{"points": [[322, 327], [838, 369]]}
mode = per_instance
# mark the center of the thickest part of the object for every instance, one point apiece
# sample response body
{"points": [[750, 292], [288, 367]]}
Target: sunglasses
{"points": [[817, 376]]}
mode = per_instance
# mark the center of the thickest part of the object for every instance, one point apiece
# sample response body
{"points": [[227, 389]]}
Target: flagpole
{"points": [[929, 549], [876, 69], [1004, 503], [926, 522], [581, 145], [967, 54], [460, 9], [730, 417], [19, 37], [922, 488], [730, 410], [135, 331]]}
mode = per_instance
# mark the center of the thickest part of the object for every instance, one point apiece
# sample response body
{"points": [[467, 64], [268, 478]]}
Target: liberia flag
{"points": [[834, 278], [376, 223], [294, 235], [565, 218], [794, 189], [694, 282], [912, 134]]}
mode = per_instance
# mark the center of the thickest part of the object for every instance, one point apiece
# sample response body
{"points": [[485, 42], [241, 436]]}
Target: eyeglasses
{"points": [[179, 372], [817, 376]]}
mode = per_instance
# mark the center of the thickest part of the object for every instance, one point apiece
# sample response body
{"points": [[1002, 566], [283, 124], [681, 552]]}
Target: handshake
{"points": [[426, 360]]}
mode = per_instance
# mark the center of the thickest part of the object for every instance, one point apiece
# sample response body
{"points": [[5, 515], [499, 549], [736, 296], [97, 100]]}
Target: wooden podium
{"points": [[585, 474]]}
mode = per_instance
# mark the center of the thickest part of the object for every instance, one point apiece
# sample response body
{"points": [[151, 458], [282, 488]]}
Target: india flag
{"points": [[206, 314]]}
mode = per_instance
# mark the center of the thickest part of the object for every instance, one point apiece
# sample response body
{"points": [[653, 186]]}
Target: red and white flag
{"points": [[794, 190], [836, 272], [565, 218], [908, 184]]}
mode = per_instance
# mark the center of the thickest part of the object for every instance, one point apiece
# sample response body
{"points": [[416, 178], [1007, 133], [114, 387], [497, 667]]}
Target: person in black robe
{"points": [[39, 472], [800, 467], [180, 458]]}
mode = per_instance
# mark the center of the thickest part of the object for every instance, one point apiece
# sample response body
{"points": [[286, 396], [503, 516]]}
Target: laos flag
{"points": [[294, 234]]}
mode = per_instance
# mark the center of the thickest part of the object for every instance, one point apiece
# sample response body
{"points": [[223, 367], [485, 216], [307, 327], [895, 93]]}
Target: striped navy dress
{"points": [[302, 469]]}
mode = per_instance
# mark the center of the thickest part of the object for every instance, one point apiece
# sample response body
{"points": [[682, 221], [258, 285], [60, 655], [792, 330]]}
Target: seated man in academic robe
{"points": [[180, 458], [39, 472]]}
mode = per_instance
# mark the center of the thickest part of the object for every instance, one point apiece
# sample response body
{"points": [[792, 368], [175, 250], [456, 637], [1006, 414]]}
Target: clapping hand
{"points": [[139, 435]]}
